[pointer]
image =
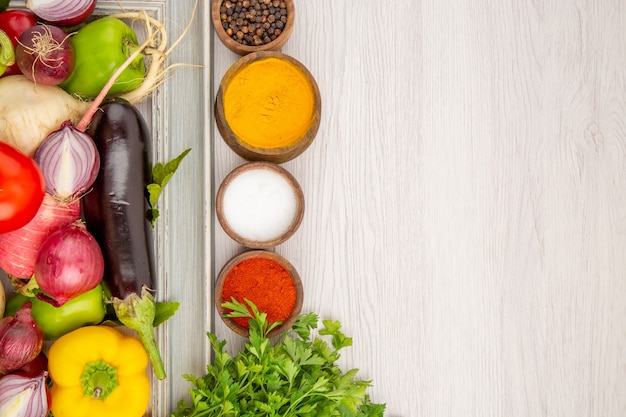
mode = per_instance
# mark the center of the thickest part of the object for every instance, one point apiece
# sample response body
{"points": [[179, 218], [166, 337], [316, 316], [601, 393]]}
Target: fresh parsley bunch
{"points": [[296, 376]]}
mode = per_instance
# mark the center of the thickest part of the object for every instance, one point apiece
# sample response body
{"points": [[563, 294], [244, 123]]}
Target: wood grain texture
{"points": [[465, 201], [178, 116]]}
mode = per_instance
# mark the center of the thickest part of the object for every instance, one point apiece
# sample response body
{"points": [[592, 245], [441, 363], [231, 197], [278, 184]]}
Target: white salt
{"points": [[259, 204]]}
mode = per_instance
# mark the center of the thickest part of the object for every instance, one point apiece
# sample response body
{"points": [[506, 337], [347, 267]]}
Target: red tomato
{"points": [[22, 188]]}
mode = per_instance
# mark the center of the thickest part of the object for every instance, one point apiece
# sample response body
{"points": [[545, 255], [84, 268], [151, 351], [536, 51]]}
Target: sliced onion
{"points": [[22, 396], [62, 12], [69, 162]]}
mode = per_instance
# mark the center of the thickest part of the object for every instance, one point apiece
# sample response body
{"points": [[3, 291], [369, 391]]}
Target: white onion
{"points": [[21, 396], [62, 12], [69, 162]]}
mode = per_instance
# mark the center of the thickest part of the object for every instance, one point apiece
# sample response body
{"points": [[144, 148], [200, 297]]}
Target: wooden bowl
{"points": [[265, 228], [219, 285], [242, 49], [248, 147]]}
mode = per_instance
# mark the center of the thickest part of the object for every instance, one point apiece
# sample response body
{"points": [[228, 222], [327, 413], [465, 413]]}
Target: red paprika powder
{"points": [[264, 282]]}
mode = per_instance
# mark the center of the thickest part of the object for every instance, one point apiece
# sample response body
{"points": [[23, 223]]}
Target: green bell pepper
{"points": [[7, 52], [101, 47], [87, 308]]}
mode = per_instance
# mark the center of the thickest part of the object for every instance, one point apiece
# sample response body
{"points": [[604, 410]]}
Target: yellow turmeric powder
{"points": [[269, 103]]}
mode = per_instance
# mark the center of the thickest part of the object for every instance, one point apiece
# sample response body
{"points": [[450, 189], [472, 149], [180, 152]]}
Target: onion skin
{"points": [[62, 12], [3, 299], [45, 54], [69, 263], [21, 339], [19, 249], [34, 367]]}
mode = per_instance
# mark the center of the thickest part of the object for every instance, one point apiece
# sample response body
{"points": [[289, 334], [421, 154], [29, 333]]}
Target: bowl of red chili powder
{"points": [[265, 278]]}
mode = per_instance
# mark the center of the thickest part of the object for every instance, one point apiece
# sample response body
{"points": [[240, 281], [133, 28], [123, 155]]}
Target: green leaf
{"points": [[161, 175], [164, 311], [154, 192], [289, 369], [4, 4], [339, 340], [304, 324]]}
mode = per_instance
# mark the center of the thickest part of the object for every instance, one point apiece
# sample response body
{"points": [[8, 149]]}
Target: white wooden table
{"points": [[466, 201]]}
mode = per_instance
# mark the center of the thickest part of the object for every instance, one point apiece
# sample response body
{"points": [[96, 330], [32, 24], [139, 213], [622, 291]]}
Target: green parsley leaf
{"points": [[161, 175], [339, 340]]}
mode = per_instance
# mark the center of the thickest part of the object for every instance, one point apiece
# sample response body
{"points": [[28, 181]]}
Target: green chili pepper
{"points": [[101, 47], [7, 52], [87, 308]]}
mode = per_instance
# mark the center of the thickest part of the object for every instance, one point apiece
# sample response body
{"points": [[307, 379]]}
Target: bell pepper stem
{"points": [[137, 313], [99, 380]]}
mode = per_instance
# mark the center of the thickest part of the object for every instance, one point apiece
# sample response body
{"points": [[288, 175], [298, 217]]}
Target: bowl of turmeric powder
{"points": [[267, 280], [246, 26], [268, 107]]}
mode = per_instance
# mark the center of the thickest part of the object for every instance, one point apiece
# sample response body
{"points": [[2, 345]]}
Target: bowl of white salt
{"points": [[260, 204]]}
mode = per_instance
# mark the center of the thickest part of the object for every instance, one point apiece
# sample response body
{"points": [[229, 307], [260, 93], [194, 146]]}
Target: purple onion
{"points": [[21, 340], [69, 162], [69, 263], [45, 54], [62, 12], [23, 396]]}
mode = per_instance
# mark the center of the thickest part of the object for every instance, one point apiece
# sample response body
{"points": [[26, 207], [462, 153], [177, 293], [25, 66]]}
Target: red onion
{"points": [[45, 54], [69, 263], [34, 367], [62, 12], [21, 340], [22, 396], [69, 161]]}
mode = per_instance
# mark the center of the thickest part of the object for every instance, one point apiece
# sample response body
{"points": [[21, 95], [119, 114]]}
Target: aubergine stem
{"points": [[137, 313]]}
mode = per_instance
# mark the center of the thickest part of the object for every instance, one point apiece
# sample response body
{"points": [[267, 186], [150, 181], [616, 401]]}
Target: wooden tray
{"points": [[180, 116]]}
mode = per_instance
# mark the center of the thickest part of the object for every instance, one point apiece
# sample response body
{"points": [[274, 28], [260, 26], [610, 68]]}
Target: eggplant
{"points": [[115, 209]]}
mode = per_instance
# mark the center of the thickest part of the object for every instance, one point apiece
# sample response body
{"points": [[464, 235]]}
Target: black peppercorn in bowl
{"points": [[246, 26]]}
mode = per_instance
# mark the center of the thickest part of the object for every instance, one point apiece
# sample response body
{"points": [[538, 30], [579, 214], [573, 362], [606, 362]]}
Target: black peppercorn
{"points": [[253, 22]]}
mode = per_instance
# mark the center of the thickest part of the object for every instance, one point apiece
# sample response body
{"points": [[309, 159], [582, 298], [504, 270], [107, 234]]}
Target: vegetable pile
{"points": [[78, 203]]}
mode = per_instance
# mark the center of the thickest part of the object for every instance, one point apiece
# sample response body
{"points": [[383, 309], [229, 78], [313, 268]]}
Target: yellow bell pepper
{"points": [[97, 371]]}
